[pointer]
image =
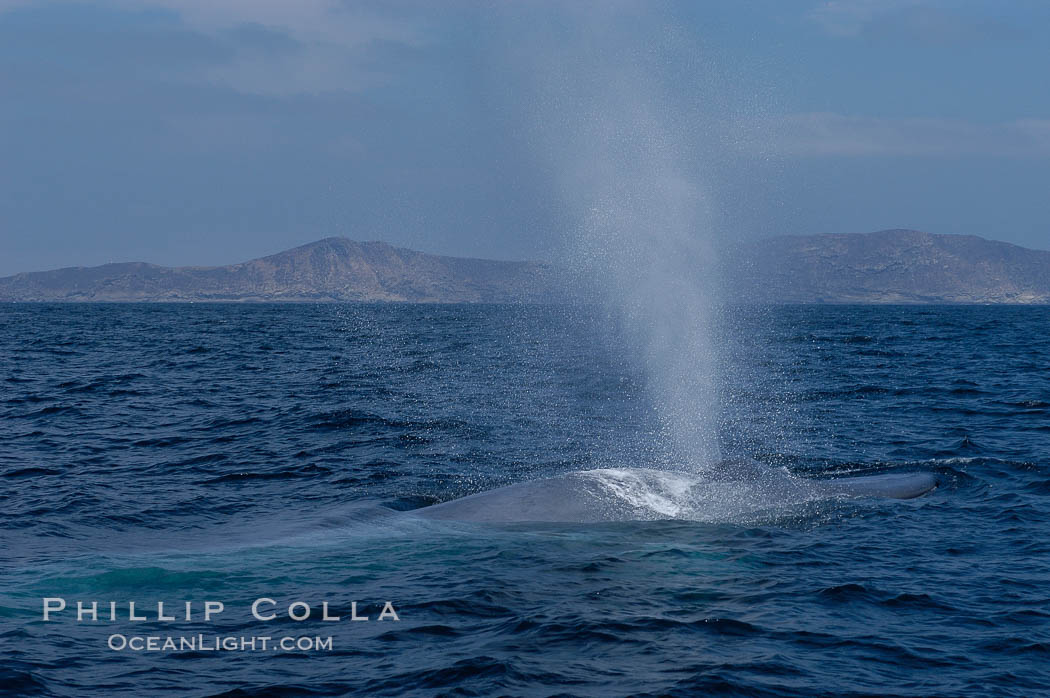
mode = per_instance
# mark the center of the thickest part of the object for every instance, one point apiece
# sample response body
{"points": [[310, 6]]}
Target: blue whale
{"points": [[638, 494]]}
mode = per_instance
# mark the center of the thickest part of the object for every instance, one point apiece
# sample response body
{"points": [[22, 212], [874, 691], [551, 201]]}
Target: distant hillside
{"points": [[890, 266], [333, 269]]}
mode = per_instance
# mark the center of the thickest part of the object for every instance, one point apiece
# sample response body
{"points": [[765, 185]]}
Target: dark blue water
{"points": [[226, 452]]}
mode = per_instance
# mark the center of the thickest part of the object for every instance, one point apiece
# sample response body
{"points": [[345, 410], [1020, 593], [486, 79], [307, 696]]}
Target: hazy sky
{"points": [[212, 131]]}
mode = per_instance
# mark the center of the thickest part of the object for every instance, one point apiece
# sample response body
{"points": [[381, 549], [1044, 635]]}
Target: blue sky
{"points": [[208, 132]]}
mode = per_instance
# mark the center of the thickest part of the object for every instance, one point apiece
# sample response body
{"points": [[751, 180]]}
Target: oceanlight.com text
{"points": [[217, 643]]}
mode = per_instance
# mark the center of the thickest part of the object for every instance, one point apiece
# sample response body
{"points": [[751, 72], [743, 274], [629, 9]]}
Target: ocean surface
{"points": [[182, 453]]}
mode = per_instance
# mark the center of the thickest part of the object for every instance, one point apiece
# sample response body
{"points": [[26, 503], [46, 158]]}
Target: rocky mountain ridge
{"points": [[890, 266], [333, 269]]}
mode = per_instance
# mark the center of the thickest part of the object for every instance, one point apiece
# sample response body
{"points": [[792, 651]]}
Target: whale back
{"points": [[887, 485], [566, 498], [592, 496]]}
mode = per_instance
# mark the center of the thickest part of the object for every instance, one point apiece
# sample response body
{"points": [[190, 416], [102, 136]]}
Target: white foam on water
{"points": [[642, 494], [660, 493]]}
